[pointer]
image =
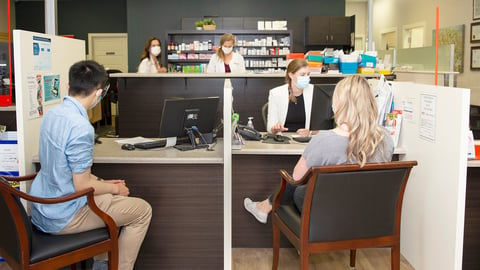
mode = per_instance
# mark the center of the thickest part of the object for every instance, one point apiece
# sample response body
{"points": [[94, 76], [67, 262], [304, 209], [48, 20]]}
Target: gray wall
{"points": [[144, 18], [75, 17]]}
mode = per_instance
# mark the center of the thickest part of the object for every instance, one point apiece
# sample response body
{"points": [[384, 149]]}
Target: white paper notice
{"points": [[42, 54], [34, 91], [428, 104]]}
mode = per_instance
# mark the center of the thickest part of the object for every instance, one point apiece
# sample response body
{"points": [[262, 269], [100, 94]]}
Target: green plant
{"points": [[199, 24], [208, 21]]}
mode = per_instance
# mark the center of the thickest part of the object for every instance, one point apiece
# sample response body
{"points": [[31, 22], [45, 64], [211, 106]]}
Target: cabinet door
{"points": [[317, 30], [340, 31]]}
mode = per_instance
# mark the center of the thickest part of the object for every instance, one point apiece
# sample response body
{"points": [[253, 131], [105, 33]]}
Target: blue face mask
{"points": [[302, 81]]}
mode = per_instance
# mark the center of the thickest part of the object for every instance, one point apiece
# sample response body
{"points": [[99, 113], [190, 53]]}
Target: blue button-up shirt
{"points": [[66, 147]]}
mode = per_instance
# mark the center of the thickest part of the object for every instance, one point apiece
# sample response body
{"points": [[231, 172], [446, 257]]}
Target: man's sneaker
{"points": [[251, 207]]}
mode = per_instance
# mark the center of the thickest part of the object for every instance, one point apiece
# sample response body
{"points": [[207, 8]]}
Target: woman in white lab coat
{"points": [[226, 60], [290, 105], [151, 59]]}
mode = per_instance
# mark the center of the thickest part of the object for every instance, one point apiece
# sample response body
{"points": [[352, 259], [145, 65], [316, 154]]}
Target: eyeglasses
{"points": [[105, 89]]}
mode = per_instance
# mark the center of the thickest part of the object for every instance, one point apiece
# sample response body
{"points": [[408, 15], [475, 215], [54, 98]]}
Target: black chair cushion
{"points": [[46, 245], [291, 216]]}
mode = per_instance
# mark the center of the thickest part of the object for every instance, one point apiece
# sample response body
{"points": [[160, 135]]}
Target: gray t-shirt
{"points": [[329, 148]]}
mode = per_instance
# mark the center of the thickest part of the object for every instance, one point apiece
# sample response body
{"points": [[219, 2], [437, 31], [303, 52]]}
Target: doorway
{"points": [[109, 49]]}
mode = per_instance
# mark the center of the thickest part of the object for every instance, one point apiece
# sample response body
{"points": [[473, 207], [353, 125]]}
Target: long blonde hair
{"points": [[355, 106], [293, 67], [226, 37]]}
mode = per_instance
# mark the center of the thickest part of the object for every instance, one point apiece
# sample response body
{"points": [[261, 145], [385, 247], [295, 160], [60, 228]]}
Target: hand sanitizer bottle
{"points": [[250, 122]]}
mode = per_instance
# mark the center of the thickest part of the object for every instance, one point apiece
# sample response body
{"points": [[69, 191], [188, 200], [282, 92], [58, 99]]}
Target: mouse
{"points": [[278, 138], [128, 146]]}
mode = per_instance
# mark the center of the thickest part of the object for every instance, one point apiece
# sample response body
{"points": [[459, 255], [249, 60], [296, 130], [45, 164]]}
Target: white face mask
{"points": [[302, 81], [99, 98], [155, 50], [227, 50]]}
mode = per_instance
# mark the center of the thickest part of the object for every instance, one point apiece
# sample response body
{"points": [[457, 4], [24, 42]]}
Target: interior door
{"points": [[110, 50]]}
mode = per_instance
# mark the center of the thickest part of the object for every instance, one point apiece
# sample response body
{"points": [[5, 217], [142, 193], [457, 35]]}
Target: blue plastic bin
{"points": [[348, 67], [368, 61]]}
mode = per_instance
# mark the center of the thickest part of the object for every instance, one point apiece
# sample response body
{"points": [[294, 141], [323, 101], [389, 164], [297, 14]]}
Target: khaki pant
{"points": [[131, 214]]}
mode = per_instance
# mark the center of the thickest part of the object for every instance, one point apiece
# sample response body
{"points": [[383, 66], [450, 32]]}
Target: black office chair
{"points": [[345, 208], [23, 246], [265, 115], [112, 97]]}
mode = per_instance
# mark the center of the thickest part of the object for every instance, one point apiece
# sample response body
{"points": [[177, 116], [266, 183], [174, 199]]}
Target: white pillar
{"points": [[370, 25], [51, 17]]}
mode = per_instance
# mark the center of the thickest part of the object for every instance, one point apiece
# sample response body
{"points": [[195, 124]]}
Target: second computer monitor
{"points": [[321, 117]]}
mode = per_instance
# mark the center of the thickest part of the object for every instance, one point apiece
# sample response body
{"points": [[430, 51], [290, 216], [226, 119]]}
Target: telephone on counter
{"points": [[249, 133]]}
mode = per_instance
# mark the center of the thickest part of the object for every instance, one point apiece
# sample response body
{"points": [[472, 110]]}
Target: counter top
{"points": [[473, 163], [292, 148], [110, 152], [10, 108], [425, 72], [224, 75]]}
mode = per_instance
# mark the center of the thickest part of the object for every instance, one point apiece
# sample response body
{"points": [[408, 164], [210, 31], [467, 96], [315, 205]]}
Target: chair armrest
{"points": [[303, 181], [69, 197], [286, 177], [20, 178], [109, 222]]}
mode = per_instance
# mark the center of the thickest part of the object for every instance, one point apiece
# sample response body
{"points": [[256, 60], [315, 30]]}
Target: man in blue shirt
{"points": [[66, 157]]}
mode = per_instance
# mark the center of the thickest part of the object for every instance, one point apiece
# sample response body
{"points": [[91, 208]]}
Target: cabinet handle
{"points": [[110, 53], [331, 37], [326, 37]]}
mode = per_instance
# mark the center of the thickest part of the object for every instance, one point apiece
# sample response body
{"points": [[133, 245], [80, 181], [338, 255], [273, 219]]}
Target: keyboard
{"points": [[152, 144]]}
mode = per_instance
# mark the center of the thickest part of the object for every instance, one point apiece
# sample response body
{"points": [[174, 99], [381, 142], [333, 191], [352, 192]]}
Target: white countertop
{"points": [[225, 75], [292, 148], [110, 152], [10, 108]]}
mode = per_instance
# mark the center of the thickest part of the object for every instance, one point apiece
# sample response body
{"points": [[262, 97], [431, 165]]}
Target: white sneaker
{"points": [[251, 207]]}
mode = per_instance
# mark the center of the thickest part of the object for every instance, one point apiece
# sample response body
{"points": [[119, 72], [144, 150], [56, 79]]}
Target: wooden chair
{"points": [[23, 246], [345, 208]]}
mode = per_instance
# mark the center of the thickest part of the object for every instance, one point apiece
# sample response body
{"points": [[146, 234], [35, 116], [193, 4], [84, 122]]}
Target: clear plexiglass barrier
{"points": [[419, 59]]}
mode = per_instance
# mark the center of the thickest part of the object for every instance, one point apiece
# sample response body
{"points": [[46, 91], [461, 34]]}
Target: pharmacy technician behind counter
{"points": [[290, 105], [151, 59], [226, 60]]}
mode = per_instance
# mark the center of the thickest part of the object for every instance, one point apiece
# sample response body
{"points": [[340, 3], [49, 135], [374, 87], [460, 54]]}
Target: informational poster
{"points": [[408, 110], [9, 153], [35, 94], [42, 54], [428, 104], [51, 85]]}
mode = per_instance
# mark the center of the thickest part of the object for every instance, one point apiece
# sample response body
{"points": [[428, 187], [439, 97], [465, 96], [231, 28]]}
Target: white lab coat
{"points": [[147, 66], [216, 65], [278, 105]]}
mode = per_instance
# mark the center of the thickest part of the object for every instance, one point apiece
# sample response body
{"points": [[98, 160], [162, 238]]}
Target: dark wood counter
{"points": [[471, 233]]}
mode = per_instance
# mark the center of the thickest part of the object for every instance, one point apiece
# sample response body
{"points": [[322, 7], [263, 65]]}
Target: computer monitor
{"points": [[321, 117], [180, 115]]}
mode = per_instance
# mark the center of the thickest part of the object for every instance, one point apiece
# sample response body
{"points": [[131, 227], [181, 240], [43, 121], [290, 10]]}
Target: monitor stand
{"points": [[193, 133]]}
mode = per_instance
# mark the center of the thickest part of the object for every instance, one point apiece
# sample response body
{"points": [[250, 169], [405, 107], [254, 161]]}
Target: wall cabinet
{"points": [[189, 51], [330, 30]]}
